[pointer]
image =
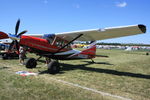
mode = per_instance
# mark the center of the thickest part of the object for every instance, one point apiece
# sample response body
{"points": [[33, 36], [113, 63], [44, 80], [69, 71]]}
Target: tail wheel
{"points": [[31, 63], [53, 67]]}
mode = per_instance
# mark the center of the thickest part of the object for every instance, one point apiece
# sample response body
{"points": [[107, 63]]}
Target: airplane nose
{"points": [[13, 37]]}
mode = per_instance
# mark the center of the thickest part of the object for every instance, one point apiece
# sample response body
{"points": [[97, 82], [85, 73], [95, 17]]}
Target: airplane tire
{"points": [[53, 67], [31, 63], [4, 56]]}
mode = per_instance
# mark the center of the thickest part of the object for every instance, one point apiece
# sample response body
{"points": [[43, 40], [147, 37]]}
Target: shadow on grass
{"points": [[1, 68], [68, 67], [89, 62]]}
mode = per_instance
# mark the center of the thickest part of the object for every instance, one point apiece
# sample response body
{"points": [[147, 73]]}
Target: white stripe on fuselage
{"points": [[69, 52]]}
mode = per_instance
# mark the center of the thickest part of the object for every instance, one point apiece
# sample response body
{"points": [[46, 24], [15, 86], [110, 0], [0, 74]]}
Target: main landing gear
{"points": [[53, 66], [31, 63]]}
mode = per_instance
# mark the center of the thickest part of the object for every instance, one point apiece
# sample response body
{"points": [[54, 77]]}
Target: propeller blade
{"points": [[3, 35], [11, 45], [17, 26], [21, 33]]}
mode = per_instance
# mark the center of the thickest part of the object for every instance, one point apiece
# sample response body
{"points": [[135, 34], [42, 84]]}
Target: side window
{"points": [[49, 37], [68, 46], [60, 42], [57, 42]]}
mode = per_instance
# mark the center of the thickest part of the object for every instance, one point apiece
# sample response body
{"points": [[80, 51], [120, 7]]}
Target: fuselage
{"points": [[52, 48]]}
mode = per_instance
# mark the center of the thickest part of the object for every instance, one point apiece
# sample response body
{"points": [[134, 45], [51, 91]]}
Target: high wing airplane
{"points": [[58, 46]]}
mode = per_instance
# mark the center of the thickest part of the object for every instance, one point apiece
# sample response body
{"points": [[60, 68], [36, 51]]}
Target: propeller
{"points": [[16, 37]]}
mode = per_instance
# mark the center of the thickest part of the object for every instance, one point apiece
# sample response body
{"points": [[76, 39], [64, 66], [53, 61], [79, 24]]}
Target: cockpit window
{"points": [[60, 42], [54, 40], [49, 37]]}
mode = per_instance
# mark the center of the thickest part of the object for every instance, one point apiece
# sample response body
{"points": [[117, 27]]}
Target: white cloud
{"points": [[121, 4]]}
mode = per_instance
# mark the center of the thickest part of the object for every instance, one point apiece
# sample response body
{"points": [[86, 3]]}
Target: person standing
{"points": [[22, 55]]}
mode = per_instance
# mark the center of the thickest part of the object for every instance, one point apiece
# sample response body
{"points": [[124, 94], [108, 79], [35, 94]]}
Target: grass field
{"points": [[124, 73]]}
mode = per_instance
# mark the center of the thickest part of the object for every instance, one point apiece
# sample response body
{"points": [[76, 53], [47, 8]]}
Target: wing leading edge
{"points": [[106, 33]]}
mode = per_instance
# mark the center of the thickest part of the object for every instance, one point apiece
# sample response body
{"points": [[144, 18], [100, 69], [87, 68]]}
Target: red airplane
{"points": [[58, 46]]}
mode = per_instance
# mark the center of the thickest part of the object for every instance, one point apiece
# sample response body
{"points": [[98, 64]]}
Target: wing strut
{"points": [[69, 43]]}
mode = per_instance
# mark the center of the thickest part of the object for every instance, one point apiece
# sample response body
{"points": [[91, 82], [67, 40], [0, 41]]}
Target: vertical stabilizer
{"points": [[90, 51]]}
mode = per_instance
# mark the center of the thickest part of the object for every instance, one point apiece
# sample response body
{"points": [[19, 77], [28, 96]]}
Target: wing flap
{"points": [[106, 33]]}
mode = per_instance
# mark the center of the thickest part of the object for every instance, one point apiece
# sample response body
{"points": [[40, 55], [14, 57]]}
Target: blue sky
{"points": [[53, 16]]}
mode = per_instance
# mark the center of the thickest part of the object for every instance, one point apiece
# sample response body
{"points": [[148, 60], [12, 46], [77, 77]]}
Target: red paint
{"points": [[39, 43], [3, 35]]}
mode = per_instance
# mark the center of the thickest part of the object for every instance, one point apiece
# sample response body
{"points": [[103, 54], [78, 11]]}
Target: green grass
{"points": [[124, 73]]}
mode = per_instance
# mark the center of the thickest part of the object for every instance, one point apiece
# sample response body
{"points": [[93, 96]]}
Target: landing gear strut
{"points": [[92, 61]]}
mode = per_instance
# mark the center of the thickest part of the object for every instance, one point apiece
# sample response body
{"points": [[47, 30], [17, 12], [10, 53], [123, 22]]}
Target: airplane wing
{"points": [[106, 33]]}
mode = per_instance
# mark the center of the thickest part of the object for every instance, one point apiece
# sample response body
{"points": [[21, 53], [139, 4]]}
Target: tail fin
{"points": [[90, 51]]}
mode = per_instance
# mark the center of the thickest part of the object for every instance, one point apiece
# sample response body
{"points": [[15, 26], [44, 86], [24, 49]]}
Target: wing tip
{"points": [[142, 28]]}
